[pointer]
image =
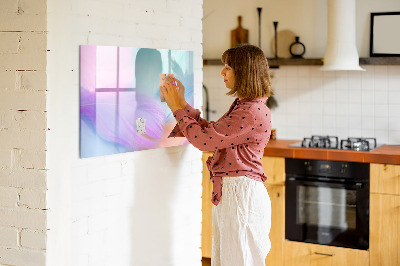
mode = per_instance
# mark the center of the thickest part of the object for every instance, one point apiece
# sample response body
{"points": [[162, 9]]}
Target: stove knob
{"points": [[308, 166], [343, 168]]}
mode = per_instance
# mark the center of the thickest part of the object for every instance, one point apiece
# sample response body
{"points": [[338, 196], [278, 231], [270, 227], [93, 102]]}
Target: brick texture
{"points": [[33, 199], [31, 53], [23, 126], [134, 192], [33, 239], [23, 218], [9, 237], [17, 256], [100, 190], [23, 178], [8, 197]]}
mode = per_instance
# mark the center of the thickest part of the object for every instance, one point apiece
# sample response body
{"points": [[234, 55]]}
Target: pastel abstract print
{"points": [[120, 106]]}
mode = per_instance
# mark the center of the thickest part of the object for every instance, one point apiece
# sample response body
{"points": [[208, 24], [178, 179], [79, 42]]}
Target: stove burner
{"points": [[332, 142], [328, 142], [358, 144]]}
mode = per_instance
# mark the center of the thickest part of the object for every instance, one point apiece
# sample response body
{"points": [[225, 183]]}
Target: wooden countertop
{"points": [[389, 154]]}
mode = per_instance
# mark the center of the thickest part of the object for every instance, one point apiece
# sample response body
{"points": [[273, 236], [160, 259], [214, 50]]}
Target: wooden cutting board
{"points": [[239, 35]]}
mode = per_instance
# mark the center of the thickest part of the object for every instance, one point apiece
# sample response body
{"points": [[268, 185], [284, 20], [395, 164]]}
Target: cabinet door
{"points": [[384, 230], [304, 254], [206, 226], [274, 168], [385, 178], [277, 233]]}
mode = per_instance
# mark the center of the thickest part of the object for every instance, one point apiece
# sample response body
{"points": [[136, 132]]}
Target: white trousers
{"points": [[241, 223]]}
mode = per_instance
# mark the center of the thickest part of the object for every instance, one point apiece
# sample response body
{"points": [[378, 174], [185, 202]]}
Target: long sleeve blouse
{"points": [[238, 139]]}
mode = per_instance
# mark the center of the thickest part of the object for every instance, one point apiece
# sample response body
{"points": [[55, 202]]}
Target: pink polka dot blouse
{"points": [[238, 139]]}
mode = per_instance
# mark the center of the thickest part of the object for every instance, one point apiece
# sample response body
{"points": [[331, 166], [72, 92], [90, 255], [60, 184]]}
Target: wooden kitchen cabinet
{"points": [[206, 225], [305, 254], [385, 215], [277, 233], [385, 178], [274, 168], [384, 236]]}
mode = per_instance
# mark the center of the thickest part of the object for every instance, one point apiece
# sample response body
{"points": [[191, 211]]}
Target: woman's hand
{"points": [[172, 95], [181, 91]]}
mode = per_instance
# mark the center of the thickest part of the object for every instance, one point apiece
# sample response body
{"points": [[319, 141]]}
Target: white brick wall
{"points": [[23, 178], [33, 239], [138, 208], [23, 218], [8, 197], [103, 191], [9, 237], [23, 132], [11, 256]]}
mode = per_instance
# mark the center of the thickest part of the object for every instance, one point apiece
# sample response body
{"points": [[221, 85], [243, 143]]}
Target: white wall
{"points": [[306, 19], [343, 104], [311, 102], [23, 133], [138, 208]]}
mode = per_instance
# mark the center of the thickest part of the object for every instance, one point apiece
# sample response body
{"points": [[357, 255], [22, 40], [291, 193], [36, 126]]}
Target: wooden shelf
{"points": [[212, 62], [380, 61], [274, 63]]}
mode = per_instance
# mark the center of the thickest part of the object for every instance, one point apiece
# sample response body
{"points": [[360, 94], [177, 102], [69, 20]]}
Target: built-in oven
{"points": [[327, 202]]}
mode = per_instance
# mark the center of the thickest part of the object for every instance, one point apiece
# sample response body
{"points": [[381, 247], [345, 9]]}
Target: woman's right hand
{"points": [[181, 91]]}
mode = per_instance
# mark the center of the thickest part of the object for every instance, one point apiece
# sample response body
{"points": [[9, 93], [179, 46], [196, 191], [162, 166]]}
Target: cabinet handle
{"points": [[324, 254]]}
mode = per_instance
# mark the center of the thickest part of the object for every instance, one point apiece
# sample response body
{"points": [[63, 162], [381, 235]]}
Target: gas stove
{"points": [[332, 142]]}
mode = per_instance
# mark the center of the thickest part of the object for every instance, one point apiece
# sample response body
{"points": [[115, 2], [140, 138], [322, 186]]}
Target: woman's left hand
{"points": [[171, 96]]}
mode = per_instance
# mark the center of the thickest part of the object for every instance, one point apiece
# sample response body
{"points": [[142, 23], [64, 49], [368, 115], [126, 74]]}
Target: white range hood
{"points": [[341, 51]]}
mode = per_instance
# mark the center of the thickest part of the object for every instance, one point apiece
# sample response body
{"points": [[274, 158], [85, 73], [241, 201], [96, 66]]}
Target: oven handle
{"points": [[357, 185]]}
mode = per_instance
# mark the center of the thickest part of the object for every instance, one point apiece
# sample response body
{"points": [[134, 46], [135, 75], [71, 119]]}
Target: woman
{"points": [[242, 208]]}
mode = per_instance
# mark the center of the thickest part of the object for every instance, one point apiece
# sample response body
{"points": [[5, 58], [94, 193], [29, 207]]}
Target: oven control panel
{"points": [[338, 169], [325, 167]]}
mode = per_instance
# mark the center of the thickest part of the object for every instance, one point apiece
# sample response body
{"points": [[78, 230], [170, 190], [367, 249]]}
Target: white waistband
{"points": [[235, 179]]}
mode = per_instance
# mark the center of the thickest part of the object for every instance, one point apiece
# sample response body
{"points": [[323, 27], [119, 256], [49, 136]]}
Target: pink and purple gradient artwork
{"points": [[120, 106]]}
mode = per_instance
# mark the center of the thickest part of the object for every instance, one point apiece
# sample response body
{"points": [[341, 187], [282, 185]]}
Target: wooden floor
{"points": [[206, 261]]}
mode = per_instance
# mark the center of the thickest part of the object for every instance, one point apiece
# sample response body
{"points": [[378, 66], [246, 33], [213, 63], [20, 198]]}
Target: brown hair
{"points": [[250, 66]]}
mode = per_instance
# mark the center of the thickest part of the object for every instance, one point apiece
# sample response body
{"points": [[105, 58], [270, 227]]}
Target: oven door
{"points": [[327, 213]]}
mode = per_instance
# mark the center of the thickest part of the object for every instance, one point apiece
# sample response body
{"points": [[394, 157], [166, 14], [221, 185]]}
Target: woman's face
{"points": [[229, 76]]}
